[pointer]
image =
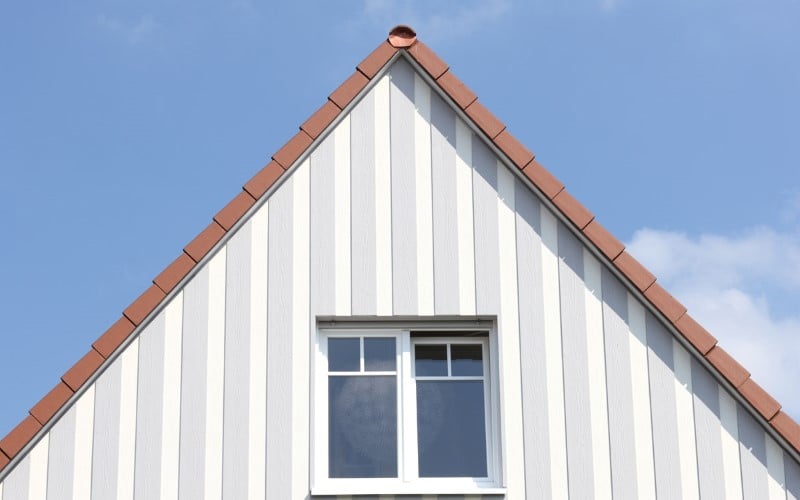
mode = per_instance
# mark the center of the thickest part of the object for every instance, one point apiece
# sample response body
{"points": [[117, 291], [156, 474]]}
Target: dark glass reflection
{"points": [[379, 354], [466, 360], [344, 354], [451, 428], [362, 426], [430, 360]]}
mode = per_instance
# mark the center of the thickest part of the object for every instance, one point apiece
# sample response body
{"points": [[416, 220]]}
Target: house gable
{"points": [[403, 196]]}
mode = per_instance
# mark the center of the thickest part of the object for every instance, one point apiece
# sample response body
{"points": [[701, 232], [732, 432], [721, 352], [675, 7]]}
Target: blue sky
{"points": [[125, 126]]}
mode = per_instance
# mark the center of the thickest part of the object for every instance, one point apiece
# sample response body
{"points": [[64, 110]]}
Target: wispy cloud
{"points": [[734, 285], [132, 31], [445, 19]]}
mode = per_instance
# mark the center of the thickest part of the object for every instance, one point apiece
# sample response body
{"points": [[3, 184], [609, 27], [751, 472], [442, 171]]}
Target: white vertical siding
{"points": [[402, 210]]}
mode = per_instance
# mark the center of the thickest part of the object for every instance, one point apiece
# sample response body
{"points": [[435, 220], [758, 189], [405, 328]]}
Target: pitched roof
{"points": [[403, 40]]}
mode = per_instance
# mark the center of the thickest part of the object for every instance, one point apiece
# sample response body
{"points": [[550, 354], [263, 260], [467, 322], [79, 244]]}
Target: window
{"points": [[405, 411]]}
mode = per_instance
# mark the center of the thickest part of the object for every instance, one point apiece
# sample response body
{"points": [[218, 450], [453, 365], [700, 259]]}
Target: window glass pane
{"points": [[362, 426], [430, 360], [344, 354], [451, 430], [466, 359], [379, 354]]}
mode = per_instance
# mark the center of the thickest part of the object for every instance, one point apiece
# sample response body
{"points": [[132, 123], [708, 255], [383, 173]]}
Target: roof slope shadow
{"points": [[402, 40]]}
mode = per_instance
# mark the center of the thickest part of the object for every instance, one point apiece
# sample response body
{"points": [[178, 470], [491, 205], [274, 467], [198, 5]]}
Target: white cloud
{"points": [[437, 19], [132, 31], [733, 286]]}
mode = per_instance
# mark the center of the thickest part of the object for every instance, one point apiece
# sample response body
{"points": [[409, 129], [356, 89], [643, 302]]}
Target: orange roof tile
{"points": [[403, 38]]}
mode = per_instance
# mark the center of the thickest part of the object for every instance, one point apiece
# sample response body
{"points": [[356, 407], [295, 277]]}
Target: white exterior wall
{"points": [[402, 212]]}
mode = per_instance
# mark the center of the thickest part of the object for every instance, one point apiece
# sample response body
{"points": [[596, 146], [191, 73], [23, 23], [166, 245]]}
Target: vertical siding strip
{"points": [[707, 426], [405, 143], [729, 433], [445, 206], [149, 409], [236, 414], [487, 254], [322, 232], [341, 195], [466, 243], [126, 459], [257, 442], [622, 435], [363, 207], [664, 411], [193, 386], [279, 344], [595, 349], [553, 358], [792, 470], [37, 486], [423, 197], [532, 345], [171, 411], [383, 200], [575, 359], [105, 457], [642, 420], [508, 338], [776, 478], [17, 484], [301, 334], [687, 448], [82, 461], [753, 456], [215, 375]]}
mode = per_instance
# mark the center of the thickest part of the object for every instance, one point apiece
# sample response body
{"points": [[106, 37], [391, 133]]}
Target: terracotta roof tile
{"points": [[727, 366], [402, 36], [19, 437], [263, 180], [664, 302], [3, 460], [292, 150], [376, 60], [320, 120], [484, 119], [349, 89], [204, 242], [516, 152], [457, 91], [144, 304], [50, 404], [114, 336], [605, 241], [234, 210], [428, 59], [174, 273], [83, 369], [695, 334], [634, 271], [543, 179], [787, 428], [573, 209], [761, 401]]}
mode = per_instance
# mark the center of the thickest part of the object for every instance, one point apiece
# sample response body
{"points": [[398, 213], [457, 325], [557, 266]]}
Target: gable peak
{"points": [[402, 36]]}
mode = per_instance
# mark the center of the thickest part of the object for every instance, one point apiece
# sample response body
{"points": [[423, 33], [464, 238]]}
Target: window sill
{"points": [[434, 487]]}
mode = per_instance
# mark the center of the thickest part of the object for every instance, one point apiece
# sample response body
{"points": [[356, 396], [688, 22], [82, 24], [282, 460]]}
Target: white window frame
{"points": [[408, 480]]}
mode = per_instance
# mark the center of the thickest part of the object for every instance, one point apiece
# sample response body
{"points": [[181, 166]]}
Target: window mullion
{"points": [[409, 412]]}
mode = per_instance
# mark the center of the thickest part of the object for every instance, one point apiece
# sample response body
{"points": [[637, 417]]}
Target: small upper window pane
{"points": [[466, 359], [379, 354], [430, 360], [344, 354]]}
